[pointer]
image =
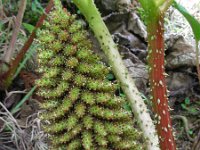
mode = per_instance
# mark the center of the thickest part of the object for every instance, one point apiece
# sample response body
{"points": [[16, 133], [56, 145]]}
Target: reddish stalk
{"points": [[158, 84], [7, 77]]}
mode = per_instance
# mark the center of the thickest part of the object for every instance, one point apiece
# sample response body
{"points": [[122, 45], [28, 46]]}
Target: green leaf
{"points": [[38, 4], [187, 101], [190, 110], [190, 132], [110, 77], [184, 106], [36, 7], [1, 25], [122, 95], [127, 107], [195, 25], [28, 27]]}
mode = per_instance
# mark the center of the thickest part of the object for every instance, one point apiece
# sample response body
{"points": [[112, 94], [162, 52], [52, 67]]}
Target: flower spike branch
{"points": [[82, 110], [155, 10], [92, 15]]}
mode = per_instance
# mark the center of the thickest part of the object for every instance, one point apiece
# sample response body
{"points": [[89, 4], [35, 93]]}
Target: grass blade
{"points": [[26, 97]]}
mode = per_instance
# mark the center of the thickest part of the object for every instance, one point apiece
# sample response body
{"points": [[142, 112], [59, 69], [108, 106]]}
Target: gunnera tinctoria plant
{"points": [[81, 106]]}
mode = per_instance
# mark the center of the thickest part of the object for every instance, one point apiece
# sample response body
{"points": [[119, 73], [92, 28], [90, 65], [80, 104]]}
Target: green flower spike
{"points": [[81, 106]]}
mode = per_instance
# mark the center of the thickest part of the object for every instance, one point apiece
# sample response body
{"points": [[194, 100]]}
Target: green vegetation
{"points": [[82, 110]]}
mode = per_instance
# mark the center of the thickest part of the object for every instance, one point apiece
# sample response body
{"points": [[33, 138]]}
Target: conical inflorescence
{"points": [[82, 110]]}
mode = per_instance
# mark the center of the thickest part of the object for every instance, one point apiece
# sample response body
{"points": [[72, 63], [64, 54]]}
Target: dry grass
{"points": [[28, 137]]}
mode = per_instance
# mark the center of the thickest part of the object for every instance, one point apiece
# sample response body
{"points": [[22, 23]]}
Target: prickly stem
{"points": [[158, 84]]}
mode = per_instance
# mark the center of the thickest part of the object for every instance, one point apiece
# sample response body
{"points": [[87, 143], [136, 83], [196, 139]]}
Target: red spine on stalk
{"points": [[158, 84]]}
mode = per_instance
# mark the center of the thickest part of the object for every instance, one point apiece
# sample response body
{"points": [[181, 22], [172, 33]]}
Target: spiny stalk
{"points": [[155, 28]]}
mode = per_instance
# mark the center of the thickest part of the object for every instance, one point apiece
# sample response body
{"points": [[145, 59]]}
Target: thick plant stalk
{"points": [[156, 52], [155, 10], [89, 10]]}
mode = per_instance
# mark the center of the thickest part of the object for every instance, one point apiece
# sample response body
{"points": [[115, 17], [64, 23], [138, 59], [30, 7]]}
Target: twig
{"points": [[196, 145], [6, 78], [8, 94], [11, 48], [186, 125], [196, 124], [10, 115]]}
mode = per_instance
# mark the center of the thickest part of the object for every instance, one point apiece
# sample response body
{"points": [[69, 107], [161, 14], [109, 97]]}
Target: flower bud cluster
{"points": [[81, 106]]}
